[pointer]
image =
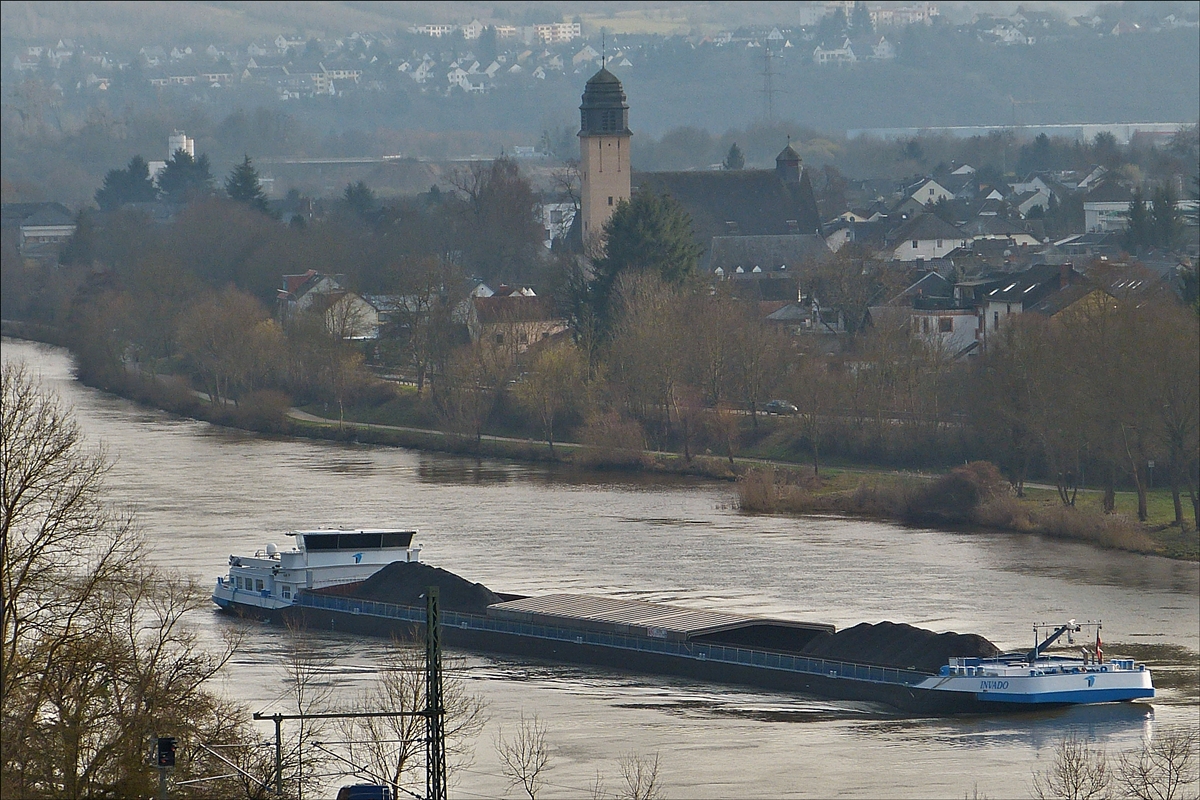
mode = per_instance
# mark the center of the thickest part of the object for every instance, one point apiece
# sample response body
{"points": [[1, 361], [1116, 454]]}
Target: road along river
{"points": [[204, 492]]}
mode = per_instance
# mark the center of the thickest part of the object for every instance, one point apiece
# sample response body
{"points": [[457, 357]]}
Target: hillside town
{"points": [[476, 57]]}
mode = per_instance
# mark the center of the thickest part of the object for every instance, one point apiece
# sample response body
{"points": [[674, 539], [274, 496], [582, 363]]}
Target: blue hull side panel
{"points": [[1059, 698]]}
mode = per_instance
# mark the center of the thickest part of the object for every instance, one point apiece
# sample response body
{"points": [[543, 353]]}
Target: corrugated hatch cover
{"points": [[636, 617]]}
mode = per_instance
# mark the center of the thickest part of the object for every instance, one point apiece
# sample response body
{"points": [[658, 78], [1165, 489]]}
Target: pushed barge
{"points": [[320, 582]]}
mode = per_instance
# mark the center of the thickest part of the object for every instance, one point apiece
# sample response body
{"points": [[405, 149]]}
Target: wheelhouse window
{"points": [[258, 585]]}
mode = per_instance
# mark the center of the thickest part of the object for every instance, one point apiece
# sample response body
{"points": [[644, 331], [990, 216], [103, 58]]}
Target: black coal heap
{"points": [[404, 583]]}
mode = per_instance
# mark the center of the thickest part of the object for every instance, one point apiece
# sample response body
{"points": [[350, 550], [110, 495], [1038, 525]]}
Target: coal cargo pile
{"points": [[404, 583], [897, 645]]}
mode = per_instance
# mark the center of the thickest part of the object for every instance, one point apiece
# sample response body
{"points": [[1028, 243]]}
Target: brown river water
{"points": [[203, 492]]}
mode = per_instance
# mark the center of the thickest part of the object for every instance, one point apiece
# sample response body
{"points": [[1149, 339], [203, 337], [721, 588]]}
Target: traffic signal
{"points": [[166, 751]]}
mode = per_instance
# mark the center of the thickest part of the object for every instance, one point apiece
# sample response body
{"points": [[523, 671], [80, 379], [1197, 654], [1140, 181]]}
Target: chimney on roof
{"points": [[1064, 275], [731, 228], [793, 226]]}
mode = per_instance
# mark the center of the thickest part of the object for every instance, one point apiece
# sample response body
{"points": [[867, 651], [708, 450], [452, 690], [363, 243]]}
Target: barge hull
{"points": [[898, 691]]}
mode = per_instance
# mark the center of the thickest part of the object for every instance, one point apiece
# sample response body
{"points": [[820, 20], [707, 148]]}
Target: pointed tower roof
{"points": [[787, 154], [604, 110], [603, 90]]}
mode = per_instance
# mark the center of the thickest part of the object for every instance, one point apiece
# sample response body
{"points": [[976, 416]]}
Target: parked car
{"points": [[365, 791], [780, 407]]}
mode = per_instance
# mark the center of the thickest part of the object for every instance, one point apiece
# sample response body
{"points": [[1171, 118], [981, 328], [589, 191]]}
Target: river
{"points": [[202, 492]]}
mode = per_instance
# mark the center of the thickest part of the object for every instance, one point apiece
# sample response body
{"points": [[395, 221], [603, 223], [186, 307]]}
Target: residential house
{"points": [[997, 227], [45, 223], [513, 321], [473, 29], [766, 267], [587, 55], [923, 238], [1106, 207], [1026, 202], [25, 62], [875, 48], [807, 317], [153, 56], [557, 32], [951, 327], [929, 191], [346, 314], [557, 219], [834, 55], [436, 30], [1044, 289]]}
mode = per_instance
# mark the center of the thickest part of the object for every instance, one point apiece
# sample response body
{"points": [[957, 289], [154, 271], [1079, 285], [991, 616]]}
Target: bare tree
{"points": [[306, 669], [640, 774], [1163, 768], [96, 655], [1079, 772], [554, 385], [392, 748], [526, 756]]}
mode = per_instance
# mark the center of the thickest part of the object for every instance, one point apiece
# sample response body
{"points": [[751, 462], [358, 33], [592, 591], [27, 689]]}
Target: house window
{"points": [[931, 191], [995, 320], [499, 338], [1008, 308], [287, 593], [522, 338], [925, 325], [914, 244], [610, 200], [939, 242], [945, 325]]}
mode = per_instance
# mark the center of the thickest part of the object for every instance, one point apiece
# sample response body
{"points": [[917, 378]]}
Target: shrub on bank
{"points": [[974, 494], [954, 498], [264, 411], [612, 442]]}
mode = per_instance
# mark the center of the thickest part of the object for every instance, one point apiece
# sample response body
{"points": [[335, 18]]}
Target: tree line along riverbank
{"points": [[975, 496]]}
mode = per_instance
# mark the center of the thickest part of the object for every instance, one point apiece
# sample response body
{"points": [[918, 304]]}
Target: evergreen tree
{"points": [[1165, 217], [1140, 232], [860, 21], [359, 198], [242, 186], [650, 233], [735, 159], [129, 185], [185, 177]]}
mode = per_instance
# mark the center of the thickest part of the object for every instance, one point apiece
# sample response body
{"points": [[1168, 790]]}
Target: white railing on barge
{"points": [[766, 659]]}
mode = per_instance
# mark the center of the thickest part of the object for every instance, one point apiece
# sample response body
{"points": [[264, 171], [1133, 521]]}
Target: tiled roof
{"points": [[758, 201], [769, 252]]}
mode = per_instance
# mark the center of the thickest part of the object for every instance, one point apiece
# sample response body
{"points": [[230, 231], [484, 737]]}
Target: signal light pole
{"points": [[434, 712], [165, 761]]}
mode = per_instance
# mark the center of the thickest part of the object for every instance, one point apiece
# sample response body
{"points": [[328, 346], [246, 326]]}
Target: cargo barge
{"points": [[334, 580]]}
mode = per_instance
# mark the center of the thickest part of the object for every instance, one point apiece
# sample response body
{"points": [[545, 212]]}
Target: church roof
{"points": [[756, 201], [791, 252], [603, 90]]}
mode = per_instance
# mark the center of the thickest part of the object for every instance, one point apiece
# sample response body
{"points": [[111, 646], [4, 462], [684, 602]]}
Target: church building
{"points": [[770, 210]]}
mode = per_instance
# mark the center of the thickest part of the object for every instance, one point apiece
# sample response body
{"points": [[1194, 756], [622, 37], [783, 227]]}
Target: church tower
{"points": [[603, 151]]}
